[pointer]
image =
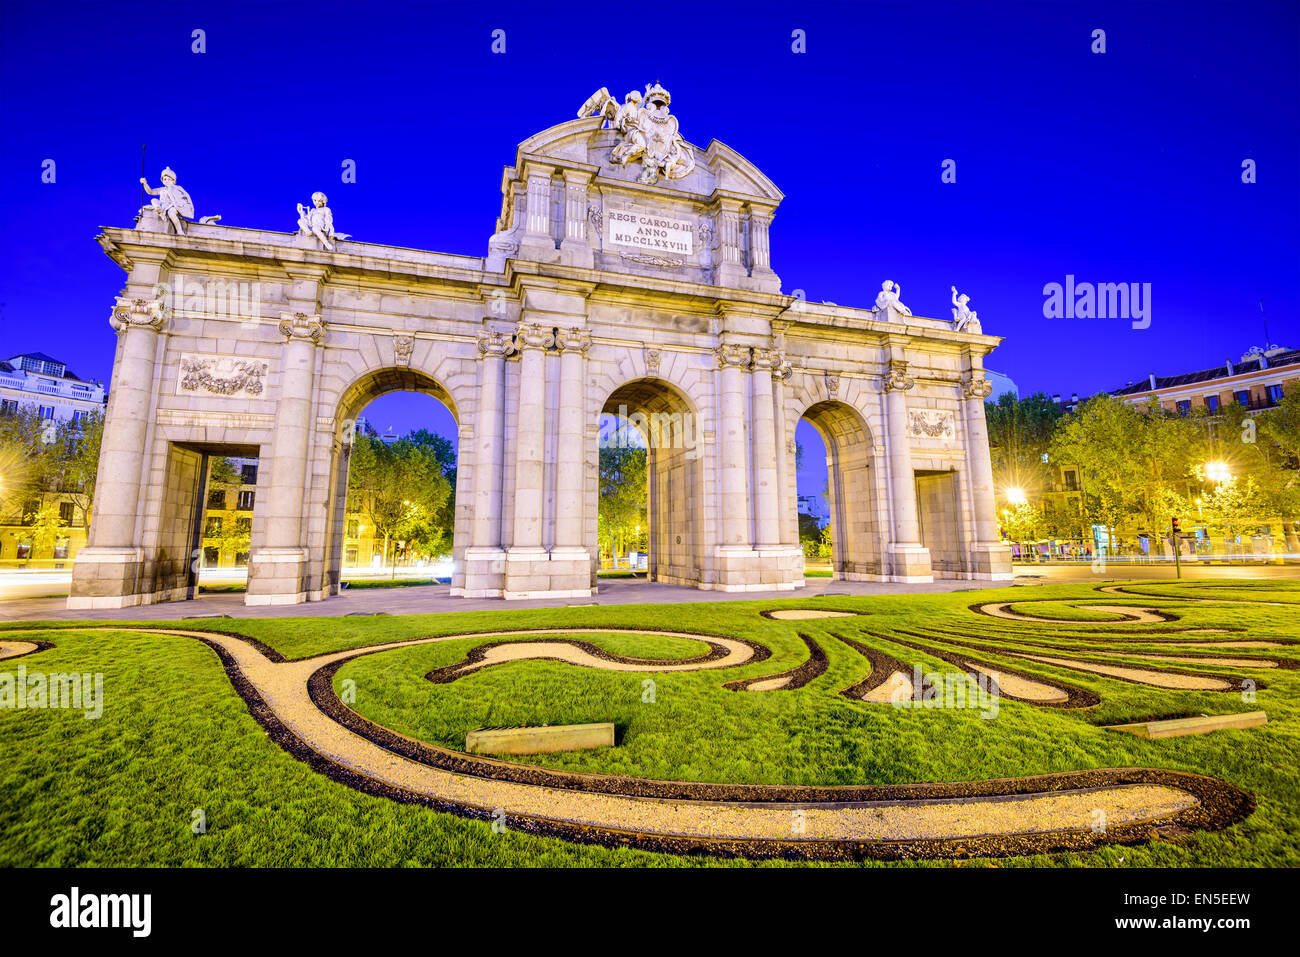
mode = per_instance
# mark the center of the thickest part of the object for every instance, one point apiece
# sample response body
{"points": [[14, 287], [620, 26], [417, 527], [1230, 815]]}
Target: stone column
{"points": [[526, 569], [737, 568], [909, 559], [760, 257], [779, 565], [730, 269], [537, 242], [767, 515], [570, 570], [575, 244], [989, 557], [275, 573], [485, 558], [105, 573]]}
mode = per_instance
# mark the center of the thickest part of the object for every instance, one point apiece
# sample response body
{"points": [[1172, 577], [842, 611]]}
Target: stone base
{"points": [[532, 573], [991, 561], [275, 577], [773, 568], [106, 578], [909, 564], [485, 573]]}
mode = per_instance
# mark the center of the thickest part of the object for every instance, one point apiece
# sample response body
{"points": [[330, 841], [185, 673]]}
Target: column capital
{"points": [[771, 360], [975, 386], [731, 354], [492, 345], [529, 335], [140, 313], [896, 378], [573, 340], [297, 325]]}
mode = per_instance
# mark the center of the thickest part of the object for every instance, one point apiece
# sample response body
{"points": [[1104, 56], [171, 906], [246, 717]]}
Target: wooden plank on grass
{"points": [[559, 737], [1201, 724]]}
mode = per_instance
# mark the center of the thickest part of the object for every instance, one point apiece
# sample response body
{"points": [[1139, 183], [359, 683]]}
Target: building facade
{"points": [[629, 273], [1257, 382], [44, 385]]}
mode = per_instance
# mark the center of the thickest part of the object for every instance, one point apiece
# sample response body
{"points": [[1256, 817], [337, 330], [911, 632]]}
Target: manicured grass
{"points": [[174, 735], [390, 582], [1063, 612]]}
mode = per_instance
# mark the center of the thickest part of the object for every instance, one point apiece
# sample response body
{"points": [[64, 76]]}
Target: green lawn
{"points": [[175, 736]]}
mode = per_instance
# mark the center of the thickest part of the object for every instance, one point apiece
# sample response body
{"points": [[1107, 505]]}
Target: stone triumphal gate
{"points": [[629, 274]]}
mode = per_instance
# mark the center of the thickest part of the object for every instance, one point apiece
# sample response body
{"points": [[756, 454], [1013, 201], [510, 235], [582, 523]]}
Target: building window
{"points": [[241, 558], [47, 412], [213, 527], [61, 548], [1071, 480], [217, 498], [24, 551], [246, 500], [350, 556], [354, 528], [211, 557], [80, 415], [1212, 403], [249, 474], [1242, 396], [8, 406], [1183, 406], [65, 513], [1274, 393], [243, 525]]}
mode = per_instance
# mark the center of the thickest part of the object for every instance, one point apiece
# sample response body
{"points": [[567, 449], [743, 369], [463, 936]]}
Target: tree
{"points": [[1023, 523], [810, 536], [224, 528], [1136, 462], [623, 488], [400, 487], [1020, 432], [46, 527], [78, 444]]}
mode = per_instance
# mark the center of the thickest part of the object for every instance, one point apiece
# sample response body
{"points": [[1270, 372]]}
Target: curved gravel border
{"points": [[796, 677], [1036, 815]]}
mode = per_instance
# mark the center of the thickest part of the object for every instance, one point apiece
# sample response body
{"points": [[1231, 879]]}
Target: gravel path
{"points": [[283, 687]]}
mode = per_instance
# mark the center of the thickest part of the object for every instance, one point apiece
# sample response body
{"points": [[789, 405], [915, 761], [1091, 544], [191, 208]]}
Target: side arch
{"points": [[858, 530], [672, 427], [351, 399]]}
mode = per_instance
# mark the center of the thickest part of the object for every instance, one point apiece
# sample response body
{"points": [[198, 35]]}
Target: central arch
{"points": [[856, 532], [671, 430], [353, 401]]}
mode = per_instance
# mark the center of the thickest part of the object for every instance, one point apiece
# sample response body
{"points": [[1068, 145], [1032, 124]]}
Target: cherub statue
{"points": [[319, 221], [888, 297], [963, 315], [173, 203]]}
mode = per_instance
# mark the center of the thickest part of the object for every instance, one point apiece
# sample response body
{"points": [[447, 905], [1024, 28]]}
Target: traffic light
{"points": [[1176, 526]]}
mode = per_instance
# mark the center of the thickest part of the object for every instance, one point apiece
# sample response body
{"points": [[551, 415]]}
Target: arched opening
{"points": [[394, 481], [653, 416], [841, 496]]}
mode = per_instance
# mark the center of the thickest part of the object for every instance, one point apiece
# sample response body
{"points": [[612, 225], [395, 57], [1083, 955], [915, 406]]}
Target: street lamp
{"points": [[1218, 472], [1016, 496]]}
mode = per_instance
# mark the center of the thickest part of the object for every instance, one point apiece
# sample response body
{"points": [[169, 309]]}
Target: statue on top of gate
{"points": [[648, 133]]}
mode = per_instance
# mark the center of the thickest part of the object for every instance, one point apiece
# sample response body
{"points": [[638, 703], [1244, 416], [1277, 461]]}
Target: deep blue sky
{"points": [[1119, 167]]}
